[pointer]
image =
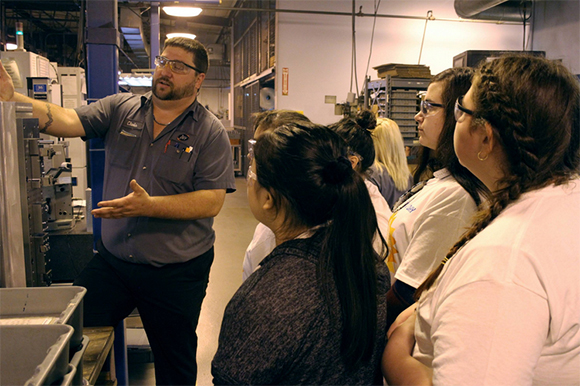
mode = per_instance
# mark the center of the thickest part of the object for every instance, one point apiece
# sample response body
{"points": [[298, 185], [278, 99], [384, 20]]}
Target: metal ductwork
{"points": [[131, 26], [500, 10]]}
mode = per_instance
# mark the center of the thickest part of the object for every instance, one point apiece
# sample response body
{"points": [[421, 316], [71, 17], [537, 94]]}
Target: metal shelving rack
{"points": [[254, 37], [397, 99]]}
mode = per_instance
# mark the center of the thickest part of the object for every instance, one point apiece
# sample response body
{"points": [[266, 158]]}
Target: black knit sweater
{"points": [[277, 329]]}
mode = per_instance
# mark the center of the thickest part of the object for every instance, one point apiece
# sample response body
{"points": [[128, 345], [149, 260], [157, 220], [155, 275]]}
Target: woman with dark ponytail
{"points": [[504, 305], [357, 133], [315, 312]]}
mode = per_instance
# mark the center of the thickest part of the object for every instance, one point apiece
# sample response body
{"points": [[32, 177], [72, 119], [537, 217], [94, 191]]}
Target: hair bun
{"points": [[366, 120], [336, 171]]}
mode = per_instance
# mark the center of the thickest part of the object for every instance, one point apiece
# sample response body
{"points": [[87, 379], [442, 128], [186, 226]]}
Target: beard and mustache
{"points": [[173, 92]]}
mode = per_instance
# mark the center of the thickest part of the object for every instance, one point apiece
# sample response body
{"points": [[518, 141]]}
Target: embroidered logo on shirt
{"points": [[130, 123], [410, 208], [183, 137]]}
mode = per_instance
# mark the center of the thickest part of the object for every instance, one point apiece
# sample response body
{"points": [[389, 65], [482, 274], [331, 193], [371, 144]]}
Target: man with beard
{"points": [[168, 168]]}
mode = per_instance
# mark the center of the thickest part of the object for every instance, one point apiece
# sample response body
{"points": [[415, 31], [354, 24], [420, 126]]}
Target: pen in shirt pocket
{"points": [[127, 134], [188, 152]]}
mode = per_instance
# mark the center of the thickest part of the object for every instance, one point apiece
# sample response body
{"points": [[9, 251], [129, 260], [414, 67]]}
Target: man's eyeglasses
{"points": [[176, 66], [460, 111], [427, 108]]}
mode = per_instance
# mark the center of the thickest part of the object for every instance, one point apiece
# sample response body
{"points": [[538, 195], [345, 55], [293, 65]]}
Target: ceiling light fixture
{"points": [[182, 11], [180, 35]]}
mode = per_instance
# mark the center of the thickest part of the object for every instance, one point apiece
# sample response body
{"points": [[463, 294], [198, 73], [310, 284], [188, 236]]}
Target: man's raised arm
{"points": [[53, 119]]}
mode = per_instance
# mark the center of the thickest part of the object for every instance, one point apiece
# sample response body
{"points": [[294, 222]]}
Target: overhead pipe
{"points": [[155, 49], [359, 14], [491, 9], [471, 8]]}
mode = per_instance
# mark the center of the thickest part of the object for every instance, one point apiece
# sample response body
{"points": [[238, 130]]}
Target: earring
{"points": [[479, 157]]}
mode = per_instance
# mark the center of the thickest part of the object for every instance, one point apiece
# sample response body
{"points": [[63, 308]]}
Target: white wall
{"points": [[556, 30], [316, 49], [216, 99]]}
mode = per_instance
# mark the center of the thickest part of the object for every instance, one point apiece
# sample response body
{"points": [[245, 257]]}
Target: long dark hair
{"points": [[456, 81], [533, 107], [304, 167], [357, 133]]}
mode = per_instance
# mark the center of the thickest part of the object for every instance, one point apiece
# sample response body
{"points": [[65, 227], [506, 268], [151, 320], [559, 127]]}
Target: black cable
{"points": [[532, 28], [372, 37], [352, 49], [525, 18], [429, 16], [354, 54], [127, 56], [80, 35], [524, 24]]}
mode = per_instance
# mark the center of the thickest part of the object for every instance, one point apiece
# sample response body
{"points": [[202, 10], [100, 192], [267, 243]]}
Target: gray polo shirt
{"points": [[192, 153]]}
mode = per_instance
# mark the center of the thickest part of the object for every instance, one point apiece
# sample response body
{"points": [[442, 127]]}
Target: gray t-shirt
{"points": [[386, 185], [192, 153]]}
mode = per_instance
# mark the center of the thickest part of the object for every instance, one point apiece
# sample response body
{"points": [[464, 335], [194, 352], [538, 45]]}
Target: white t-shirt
{"points": [[506, 308], [426, 226], [261, 245], [264, 240]]}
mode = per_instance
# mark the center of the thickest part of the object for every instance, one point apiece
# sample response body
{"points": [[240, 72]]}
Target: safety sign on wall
{"points": [[285, 81]]}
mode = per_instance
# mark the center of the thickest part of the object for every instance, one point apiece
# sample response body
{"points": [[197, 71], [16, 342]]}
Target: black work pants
{"points": [[169, 302]]}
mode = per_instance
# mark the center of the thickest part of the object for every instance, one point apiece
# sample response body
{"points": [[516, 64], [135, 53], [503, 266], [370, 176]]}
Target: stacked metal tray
{"points": [[397, 99], [41, 335], [44, 305], [34, 355]]}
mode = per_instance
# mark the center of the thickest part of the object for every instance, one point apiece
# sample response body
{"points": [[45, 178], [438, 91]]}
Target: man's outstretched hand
{"points": [[134, 204]]}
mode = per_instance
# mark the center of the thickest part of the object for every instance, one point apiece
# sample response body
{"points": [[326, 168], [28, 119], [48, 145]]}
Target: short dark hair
{"points": [[200, 55]]}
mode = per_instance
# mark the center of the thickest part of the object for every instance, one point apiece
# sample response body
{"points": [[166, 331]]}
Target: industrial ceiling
{"points": [[55, 28]]}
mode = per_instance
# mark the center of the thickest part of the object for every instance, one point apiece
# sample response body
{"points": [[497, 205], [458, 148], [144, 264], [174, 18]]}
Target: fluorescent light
{"points": [[182, 11], [11, 46], [180, 35], [136, 81]]}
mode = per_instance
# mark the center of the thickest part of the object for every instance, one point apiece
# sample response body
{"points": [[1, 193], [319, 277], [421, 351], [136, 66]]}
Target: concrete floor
{"points": [[234, 228]]}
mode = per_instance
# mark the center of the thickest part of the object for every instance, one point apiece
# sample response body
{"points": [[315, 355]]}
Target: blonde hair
{"points": [[390, 152]]}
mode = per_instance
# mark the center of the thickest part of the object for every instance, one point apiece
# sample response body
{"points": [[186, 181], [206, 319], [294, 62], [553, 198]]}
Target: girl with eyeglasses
{"points": [[315, 312], [503, 308], [432, 216]]}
